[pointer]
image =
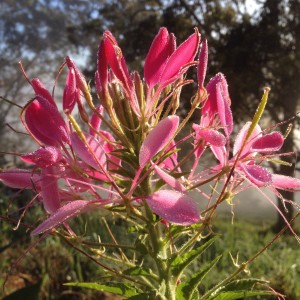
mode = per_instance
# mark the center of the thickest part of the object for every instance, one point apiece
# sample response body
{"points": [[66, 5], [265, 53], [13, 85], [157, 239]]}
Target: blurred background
{"points": [[255, 43]]}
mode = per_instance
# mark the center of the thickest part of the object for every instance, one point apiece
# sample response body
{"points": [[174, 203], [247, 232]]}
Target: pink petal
{"points": [[49, 190], [84, 151], [175, 207], [241, 137], [183, 55], [80, 80], [109, 147], [171, 161], [218, 102], [224, 110], [202, 65], [40, 90], [158, 138], [96, 121], [220, 154], [19, 178], [157, 57], [64, 213], [257, 174], [219, 79], [43, 157], [69, 92], [211, 136], [285, 182], [170, 180], [268, 143]]}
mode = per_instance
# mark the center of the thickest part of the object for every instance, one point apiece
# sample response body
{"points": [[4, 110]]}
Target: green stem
{"points": [[159, 253]]}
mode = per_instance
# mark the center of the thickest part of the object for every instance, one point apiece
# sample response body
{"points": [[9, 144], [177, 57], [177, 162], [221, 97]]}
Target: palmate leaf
{"points": [[180, 263], [117, 288], [188, 290]]}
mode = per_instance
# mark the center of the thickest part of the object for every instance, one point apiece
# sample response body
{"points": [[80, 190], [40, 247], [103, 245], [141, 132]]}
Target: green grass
{"points": [[279, 264]]}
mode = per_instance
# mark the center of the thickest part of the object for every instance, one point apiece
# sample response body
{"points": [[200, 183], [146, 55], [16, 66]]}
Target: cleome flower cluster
{"points": [[123, 150]]}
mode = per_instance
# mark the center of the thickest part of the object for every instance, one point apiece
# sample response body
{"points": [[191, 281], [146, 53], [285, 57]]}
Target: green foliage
{"points": [[233, 295], [179, 264], [187, 290], [117, 288]]}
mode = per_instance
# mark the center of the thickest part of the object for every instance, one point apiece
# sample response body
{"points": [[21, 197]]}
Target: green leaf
{"points": [[137, 271], [240, 295], [144, 296], [242, 284], [180, 295], [117, 288], [240, 288], [187, 290], [180, 263]]}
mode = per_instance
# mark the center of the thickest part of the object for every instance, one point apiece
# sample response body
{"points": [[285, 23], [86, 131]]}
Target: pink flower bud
{"points": [[202, 65], [69, 92], [80, 80], [45, 123], [116, 61], [161, 49], [183, 55]]}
